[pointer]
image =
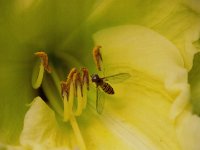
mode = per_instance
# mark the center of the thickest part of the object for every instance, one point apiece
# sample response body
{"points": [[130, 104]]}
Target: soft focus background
{"points": [[67, 26]]}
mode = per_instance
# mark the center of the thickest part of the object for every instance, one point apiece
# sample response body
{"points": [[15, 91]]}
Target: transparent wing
{"points": [[117, 78], [100, 100]]}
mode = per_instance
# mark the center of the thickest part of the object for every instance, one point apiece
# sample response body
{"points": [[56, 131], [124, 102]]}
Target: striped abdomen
{"points": [[107, 88]]}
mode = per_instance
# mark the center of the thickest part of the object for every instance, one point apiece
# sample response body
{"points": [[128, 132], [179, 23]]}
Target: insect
{"points": [[106, 87], [101, 83]]}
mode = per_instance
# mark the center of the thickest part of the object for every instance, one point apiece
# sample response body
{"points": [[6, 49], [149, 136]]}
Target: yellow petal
{"points": [[150, 53], [141, 106]]}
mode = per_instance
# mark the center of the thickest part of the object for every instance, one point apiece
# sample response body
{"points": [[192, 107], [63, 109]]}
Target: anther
{"points": [[85, 77], [71, 74], [38, 71], [64, 88], [44, 58], [97, 57]]}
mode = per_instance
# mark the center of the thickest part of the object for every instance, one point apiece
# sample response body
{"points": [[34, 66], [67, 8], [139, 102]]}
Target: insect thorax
{"points": [[96, 79]]}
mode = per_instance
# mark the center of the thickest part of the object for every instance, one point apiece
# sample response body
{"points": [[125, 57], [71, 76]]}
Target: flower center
{"points": [[72, 92]]}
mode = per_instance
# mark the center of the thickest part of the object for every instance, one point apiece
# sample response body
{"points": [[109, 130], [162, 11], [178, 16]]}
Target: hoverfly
{"points": [[106, 87], [101, 82]]}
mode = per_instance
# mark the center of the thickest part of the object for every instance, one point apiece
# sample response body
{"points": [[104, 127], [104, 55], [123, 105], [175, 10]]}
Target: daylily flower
{"points": [[155, 42]]}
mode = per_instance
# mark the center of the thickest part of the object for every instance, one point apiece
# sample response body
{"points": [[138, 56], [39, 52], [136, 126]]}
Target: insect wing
{"points": [[100, 100], [117, 78]]}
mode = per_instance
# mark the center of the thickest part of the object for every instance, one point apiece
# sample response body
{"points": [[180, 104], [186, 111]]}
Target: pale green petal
{"points": [[113, 12], [42, 131], [41, 128], [158, 85], [182, 27], [188, 131]]}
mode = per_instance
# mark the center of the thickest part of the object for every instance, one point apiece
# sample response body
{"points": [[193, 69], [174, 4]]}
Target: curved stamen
{"points": [[44, 59], [38, 71]]}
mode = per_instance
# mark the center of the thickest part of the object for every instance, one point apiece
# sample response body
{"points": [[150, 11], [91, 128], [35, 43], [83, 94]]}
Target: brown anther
{"points": [[85, 77], [65, 85], [44, 58], [97, 57], [64, 88], [71, 74]]}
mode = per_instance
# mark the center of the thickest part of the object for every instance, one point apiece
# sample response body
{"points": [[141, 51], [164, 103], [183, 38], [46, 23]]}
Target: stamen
{"points": [[77, 133], [97, 57], [68, 89], [78, 93], [64, 88], [67, 110], [78, 82], [38, 74], [85, 78], [44, 58], [85, 84], [68, 101], [71, 73]]}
